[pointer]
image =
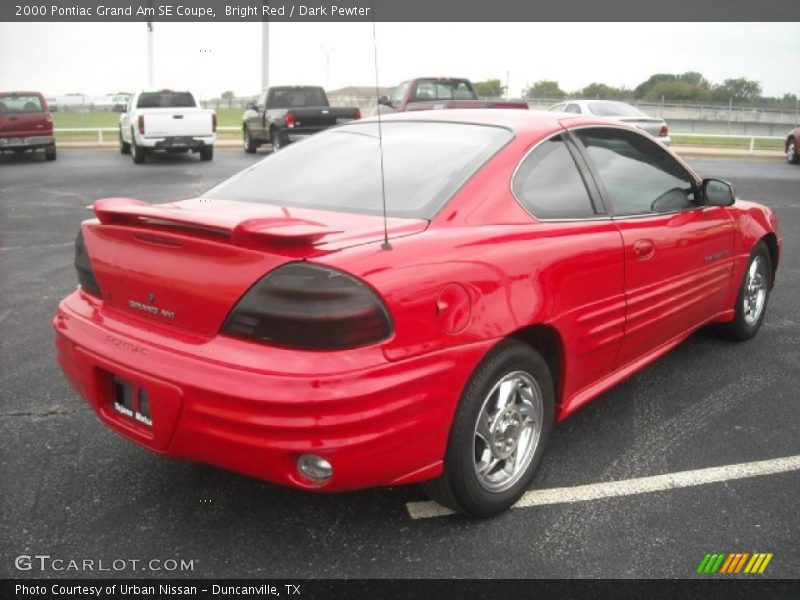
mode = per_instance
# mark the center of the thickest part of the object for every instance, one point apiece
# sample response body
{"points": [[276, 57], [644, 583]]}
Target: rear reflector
{"points": [[290, 120], [664, 131], [214, 122], [141, 124], [302, 305], [358, 114]]}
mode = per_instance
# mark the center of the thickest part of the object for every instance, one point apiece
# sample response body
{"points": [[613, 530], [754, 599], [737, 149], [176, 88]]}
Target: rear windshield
{"points": [[444, 89], [296, 97], [424, 164], [19, 104], [614, 109], [165, 100]]}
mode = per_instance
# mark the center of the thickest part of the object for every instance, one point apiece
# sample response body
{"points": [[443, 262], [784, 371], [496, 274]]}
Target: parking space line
{"points": [[628, 487]]}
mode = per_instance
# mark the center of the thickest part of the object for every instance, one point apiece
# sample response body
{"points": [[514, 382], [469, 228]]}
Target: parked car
{"points": [[619, 111], [26, 124], [289, 113], [426, 93], [790, 146], [168, 121], [284, 326]]}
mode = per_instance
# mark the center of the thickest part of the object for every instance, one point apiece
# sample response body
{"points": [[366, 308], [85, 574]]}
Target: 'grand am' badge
{"points": [[149, 308]]}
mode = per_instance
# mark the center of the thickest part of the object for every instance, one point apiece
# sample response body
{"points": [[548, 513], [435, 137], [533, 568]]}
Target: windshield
{"points": [[424, 164], [165, 100], [14, 103], [614, 109]]}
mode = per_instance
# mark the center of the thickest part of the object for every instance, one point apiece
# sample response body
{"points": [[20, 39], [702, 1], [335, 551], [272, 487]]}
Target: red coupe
{"points": [[279, 326]]}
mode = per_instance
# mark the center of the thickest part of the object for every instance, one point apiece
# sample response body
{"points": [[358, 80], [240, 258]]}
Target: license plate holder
{"points": [[131, 401]]}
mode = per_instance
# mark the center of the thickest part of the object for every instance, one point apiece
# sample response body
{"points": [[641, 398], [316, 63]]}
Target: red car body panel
{"points": [[480, 271]]}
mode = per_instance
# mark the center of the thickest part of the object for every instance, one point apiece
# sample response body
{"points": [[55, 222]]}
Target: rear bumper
{"points": [[194, 143], [381, 424], [32, 141]]}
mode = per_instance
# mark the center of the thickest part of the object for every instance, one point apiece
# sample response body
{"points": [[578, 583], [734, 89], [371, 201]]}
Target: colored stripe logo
{"points": [[734, 563]]}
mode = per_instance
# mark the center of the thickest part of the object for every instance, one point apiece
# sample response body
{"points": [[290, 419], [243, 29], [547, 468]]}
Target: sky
{"points": [[210, 58]]}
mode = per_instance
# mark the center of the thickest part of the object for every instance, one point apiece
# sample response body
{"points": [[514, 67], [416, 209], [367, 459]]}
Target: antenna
{"points": [[386, 245]]}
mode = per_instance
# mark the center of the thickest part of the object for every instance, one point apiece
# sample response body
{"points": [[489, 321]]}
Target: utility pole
{"points": [[508, 83], [326, 52], [151, 76], [264, 55]]}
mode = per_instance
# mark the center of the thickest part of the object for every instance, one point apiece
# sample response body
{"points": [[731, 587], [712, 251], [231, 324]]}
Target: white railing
{"points": [[100, 130], [752, 138]]}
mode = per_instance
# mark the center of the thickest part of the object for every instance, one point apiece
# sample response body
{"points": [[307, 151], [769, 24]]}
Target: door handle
{"points": [[644, 249]]}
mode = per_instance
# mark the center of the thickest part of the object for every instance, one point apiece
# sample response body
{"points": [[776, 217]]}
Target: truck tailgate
{"points": [[166, 122]]}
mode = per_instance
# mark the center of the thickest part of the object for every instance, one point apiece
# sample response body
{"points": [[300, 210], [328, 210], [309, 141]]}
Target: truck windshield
{"points": [[165, 100], [14, 103], [296, 97], [424, 164]]}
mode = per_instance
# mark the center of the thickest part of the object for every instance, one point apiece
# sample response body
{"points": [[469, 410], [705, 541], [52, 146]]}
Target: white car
{"points": [[618, 111], [168, 121]]}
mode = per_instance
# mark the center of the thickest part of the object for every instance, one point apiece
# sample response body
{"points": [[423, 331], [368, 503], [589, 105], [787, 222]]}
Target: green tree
{"points": [[229, 97], [491, 88], [601, 91], [676, 90], [545, 89], [737, 90], [641, 90]]}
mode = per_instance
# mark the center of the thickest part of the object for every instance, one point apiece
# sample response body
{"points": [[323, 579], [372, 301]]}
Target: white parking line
{"points": [[627, 487]]}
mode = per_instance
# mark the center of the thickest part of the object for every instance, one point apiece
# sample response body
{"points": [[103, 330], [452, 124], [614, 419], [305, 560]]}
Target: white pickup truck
{"points": [[166, 120]]}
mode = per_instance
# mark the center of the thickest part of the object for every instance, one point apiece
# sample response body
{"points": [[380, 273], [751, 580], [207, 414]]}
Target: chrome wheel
{"points": [[507, 431], [755, 290]]}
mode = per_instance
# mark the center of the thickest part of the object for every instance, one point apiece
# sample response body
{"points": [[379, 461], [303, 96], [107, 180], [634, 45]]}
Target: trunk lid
{"points": [[649, 124], [186, 264]]}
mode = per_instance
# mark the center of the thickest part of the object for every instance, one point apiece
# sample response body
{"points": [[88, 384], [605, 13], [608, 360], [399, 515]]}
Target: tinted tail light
{"points": [[141, 124], [84, 268], [290, 119], [358, 114], [308, 306], [664, 131], [214, 122]]}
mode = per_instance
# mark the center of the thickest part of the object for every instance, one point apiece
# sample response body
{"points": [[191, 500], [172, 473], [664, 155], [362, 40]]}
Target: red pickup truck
{"points": [[426, 93], [26, 124]]}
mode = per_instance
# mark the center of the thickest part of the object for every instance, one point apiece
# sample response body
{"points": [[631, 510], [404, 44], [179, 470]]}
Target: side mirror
{"points": [[384, 100], [250, 106], [718, 192]]}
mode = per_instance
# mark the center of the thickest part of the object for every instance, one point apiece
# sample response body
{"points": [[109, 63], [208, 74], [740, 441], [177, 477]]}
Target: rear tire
{"points": [[499, 432], [50, 152], [249, 143], [792, 156], [138, 153], [751, 301], [275, 139], [206, 152], [124, 147]]}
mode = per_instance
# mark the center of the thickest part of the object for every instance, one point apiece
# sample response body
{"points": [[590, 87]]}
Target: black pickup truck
{"points": [[288, 113]]}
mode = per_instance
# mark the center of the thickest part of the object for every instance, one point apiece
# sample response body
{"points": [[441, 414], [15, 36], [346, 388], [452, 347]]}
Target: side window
{"points": [[549, 185], [573, 108], [639, 175], [399, 93]]}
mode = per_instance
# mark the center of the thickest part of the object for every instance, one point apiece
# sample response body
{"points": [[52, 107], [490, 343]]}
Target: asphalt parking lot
{"points": [[73, 489]]}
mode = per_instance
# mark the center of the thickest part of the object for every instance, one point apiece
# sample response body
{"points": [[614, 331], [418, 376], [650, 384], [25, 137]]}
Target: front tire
{"points": [[751, 302], [499, 433], [50, 152], [124, 147], [792, 156], [249, 143], [275, 139], [206, 152]]}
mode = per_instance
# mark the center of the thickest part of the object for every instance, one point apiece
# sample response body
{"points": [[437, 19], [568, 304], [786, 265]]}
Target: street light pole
{"points": [[150, 57], [264, 55]]}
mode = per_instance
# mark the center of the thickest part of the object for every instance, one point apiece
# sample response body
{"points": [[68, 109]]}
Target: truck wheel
{"points": [[250, 145], [137, 152], [50, 152], [792, 155], [499, 432], [275, 139], [206, 152], [124, 147]]}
